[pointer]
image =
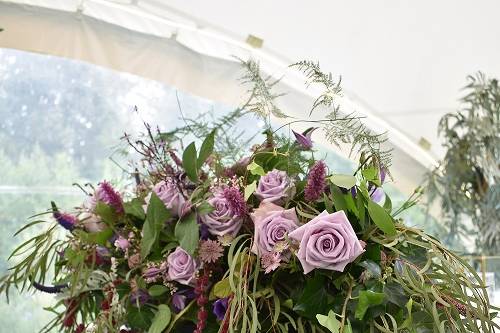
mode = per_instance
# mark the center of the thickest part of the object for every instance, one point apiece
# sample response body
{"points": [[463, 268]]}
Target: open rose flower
{"points": [[272, 224], [170, 194], [223, 220], [275, 186], [327, 241], [181, 266]]}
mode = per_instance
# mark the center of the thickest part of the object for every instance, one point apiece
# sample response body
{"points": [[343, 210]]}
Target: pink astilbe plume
{"points": [[235, 200], [107, 194], [316, 182]]}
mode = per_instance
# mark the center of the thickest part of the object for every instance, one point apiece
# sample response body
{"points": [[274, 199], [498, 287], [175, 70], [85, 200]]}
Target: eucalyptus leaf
{"points": [[139, 318], [161, 319], [190, 162], [157, 290], [156, 216], [381, 218], [207, 147], [187, 232], [314, 297], [344, 181]]}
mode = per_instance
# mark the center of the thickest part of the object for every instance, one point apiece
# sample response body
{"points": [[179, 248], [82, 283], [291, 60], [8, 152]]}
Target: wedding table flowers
{"points": [[276, 240]]}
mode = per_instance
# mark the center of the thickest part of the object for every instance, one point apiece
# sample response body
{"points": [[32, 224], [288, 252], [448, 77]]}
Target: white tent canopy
{"points": [[402, 66]]}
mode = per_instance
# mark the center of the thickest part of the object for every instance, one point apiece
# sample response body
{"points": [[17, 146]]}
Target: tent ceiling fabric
{"points": [[401, 66]]}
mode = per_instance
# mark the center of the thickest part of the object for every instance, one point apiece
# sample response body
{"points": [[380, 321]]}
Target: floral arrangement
{"points": [[276, 241]]}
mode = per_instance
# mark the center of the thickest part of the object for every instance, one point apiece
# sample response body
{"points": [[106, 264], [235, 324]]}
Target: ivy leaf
{"points": [[381, 218], [313, 299], [161, 319], [344, 181], [331, 322], [367, 298], [222, 288], [157, 290], [255, 169], [372, 267], [207, 147], [189, 162], [249, 189], [139, 318], [395, 294], [187, 233], [156, 216], [134, 208]]}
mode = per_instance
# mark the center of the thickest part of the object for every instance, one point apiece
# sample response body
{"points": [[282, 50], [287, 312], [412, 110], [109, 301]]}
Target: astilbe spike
{"points": [[107, 194], [316, 182], [235, 200]]}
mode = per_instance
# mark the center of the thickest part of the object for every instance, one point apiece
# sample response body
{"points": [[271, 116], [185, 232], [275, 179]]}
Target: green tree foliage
{"points": [[467, 181]]}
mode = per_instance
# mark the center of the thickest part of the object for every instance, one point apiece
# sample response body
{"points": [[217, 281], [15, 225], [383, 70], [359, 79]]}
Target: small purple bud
{"points": [[304, 139], [220, 308], [139, 297], [66, 221], [179, 302], [354, 192], [381, 175], [377, 194]]}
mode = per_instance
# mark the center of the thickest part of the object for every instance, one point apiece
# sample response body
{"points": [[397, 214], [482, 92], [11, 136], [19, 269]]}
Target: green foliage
{"points": [[161, 319], [381, 218], [156, 216], [188, 234], [467, 181]]}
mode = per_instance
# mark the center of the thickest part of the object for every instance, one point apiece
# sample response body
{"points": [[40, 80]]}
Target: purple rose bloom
{"points": [[181, 266], [220, 308], [170, 194], [327, 241], [272, 224], [223, 219], [275, 186]]}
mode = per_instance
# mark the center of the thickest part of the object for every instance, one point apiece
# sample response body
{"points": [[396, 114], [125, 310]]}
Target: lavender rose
{"points": [[223, 219], [272, 224], [181, 266], [275, 186], [170, 194], [327, 241]]}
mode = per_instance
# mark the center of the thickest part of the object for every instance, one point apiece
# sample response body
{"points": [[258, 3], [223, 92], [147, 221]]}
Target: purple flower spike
{"points": [[316, 182], [107, 194], [304, 139], [220, 308], [235, 200], [66, 221]]}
